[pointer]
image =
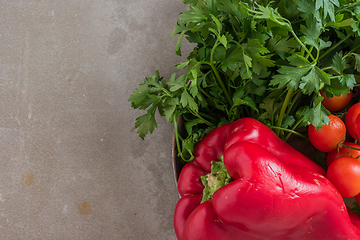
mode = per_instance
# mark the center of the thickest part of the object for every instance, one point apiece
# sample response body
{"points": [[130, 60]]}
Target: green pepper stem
{"points": [[218, 178]]}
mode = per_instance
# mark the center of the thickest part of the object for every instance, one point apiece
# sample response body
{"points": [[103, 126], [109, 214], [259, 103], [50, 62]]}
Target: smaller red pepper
{"points": [[275, 192]]}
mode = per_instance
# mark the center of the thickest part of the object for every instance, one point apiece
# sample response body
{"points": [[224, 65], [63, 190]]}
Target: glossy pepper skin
{"points": [[275, 193]]}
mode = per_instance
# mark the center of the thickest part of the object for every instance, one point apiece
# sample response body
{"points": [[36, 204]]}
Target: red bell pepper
{"points": [[275, 192]]}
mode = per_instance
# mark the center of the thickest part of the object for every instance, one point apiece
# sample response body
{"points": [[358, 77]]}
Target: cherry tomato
{"points": [[328, 137], [344, 173], [336, 103], [350, 119], [343, 152]]}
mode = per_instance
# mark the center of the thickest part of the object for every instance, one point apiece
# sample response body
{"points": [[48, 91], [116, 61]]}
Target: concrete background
{"points": [[71, 163]]}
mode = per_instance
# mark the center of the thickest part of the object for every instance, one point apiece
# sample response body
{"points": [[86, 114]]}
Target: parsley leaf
{"points": [[262, 59]]}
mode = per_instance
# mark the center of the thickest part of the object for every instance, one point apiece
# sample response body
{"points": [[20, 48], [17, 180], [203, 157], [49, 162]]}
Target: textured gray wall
{"points": [[71, 163]]}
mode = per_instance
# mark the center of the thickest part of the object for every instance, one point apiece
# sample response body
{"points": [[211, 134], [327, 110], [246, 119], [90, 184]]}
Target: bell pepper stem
{"points": [[218, 177]]}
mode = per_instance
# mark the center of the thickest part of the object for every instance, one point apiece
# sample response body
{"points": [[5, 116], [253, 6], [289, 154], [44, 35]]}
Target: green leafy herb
{"points": [[262, 59]]}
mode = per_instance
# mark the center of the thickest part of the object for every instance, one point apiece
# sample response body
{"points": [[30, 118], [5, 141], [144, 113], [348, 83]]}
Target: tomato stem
{"points": [[356, 137], [344, 145]]}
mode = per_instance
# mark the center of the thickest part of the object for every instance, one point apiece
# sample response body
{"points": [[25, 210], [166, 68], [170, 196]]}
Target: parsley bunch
{"points": [[262, 59]]}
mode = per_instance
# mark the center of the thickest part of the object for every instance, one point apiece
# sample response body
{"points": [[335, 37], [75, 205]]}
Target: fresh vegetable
{"points": [[350, 119], [189, 179], [214, 144], [329, 137], [262, 59], [357, 128], [185, 206], [270, 191], [348, 149], [344, 173], [267, 60], [336, 103]]}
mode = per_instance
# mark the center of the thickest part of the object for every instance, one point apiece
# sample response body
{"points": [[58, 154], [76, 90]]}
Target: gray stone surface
{"points": [[71, 163]]}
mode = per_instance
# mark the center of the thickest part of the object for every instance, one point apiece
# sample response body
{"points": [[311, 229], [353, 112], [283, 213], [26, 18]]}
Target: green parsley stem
{"points": [[334, 77], [347, 7], [283, 109], [334, 46], [217, 75], [294, 101], [208, 96], [208, 116], [167, 92], [302, 45], [213, 6], [290, 131], [351, 51], [293, 128], [177, 137], [196, 114], [308, 54], [218, 78], [326, 68]]}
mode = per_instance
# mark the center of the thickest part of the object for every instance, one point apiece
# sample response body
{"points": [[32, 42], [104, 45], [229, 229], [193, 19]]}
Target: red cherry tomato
{"points": [[343, 152], [344, 173], [350, 119], [328, 137], [336, 103]]}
